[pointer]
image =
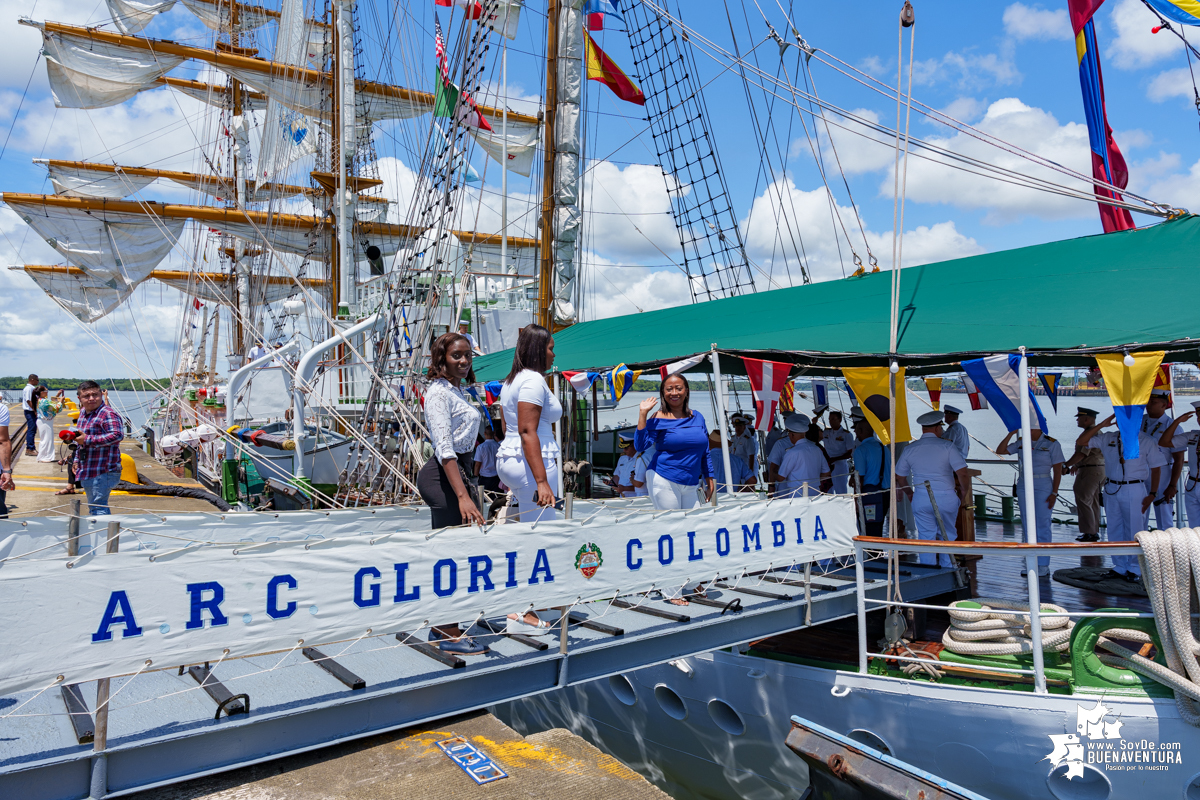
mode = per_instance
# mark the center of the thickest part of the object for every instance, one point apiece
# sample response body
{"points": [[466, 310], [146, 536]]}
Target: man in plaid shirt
{"points": [[98, 456]]}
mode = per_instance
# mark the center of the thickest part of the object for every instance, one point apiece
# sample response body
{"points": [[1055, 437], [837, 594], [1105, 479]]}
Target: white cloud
{"points": [[968, 70], [1023, 22], [964, 109], [1135, 46], [1033, 129], [1180, 189], [612, 289], [788, 225], [1172, 83]]}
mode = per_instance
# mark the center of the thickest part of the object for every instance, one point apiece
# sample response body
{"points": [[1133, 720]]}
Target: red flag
{"points": [[977, 400], [667, 370], [595, 22], [473, 8], [196, 303], [599, 67], [1162, 380], [767, 379]]}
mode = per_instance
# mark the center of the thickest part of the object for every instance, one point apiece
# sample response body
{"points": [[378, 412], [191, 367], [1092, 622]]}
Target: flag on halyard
{"points": [[1129, 390], [977, 400], [474, 8], [767, 379], [1162, 380], [870, 385], [596, 9], [787, 398], [1000, 381], [934, 387], [1050, 384], [675, 367], [471, 390], [1108, 165], [448, 100], [492, 391], [849, 391], [1185, 12], [620, 380], [602, 68], [820, 388], [459, 162], [581, 381]]}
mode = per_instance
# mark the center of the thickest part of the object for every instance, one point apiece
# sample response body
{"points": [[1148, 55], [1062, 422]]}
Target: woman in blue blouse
{"points": [[680, 440]]}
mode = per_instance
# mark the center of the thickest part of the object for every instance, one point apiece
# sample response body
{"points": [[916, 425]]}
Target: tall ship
{"points": [[331, 216]]}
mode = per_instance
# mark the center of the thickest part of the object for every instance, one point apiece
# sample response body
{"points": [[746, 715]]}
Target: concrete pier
{"points": [[408, 765]]}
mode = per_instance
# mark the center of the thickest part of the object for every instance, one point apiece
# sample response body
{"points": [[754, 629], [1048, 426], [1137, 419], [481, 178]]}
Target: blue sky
{"points": [[1009, 69]]}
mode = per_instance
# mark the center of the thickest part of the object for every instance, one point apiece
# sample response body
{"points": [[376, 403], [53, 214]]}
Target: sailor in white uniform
{"points": [[934, 461], [775, 454], [629, 477], [1154, 424], [1172, 439], [1047, 474], [803, 463], [744, 443], [955, 431], [839, 445], [1126, 499]]}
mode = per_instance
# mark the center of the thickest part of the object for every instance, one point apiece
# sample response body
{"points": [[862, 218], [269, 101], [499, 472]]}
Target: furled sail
{"points": [[87, 298], [87, 73], [216, 96], [287, 134], [117, 249], [75, 181], [567, 216]]}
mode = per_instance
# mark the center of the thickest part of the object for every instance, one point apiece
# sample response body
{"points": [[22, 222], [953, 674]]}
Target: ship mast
{"points": [[243, 323], [545, 315]]}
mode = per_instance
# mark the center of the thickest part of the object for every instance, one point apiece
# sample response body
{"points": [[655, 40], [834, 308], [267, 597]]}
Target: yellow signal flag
{"points": [[1130, 386], [871, 386], [934, 387]]}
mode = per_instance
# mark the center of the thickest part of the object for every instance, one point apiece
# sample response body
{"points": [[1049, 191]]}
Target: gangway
{"points": [[178, 723]]}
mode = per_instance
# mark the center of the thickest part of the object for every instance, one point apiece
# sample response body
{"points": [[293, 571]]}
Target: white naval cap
{"points": [[1196, 404], [952, 410], [930, 418], [1160, 393], [856, 413], [796, 423], [820, 408]]}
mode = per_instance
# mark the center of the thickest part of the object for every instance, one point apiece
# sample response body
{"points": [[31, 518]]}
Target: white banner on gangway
{"points": [[108, 614]]}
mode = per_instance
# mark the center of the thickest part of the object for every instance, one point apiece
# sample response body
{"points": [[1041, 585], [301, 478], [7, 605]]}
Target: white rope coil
{"points": [[986, 631]]}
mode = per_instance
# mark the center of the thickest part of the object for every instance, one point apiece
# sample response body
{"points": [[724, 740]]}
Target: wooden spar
{"points": [[175, 275], [283, 189], [217, 215], [200, 86], [259, 65], [545, 317], [335, 134]]}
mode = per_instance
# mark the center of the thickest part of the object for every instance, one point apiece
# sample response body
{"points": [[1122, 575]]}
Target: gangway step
{"points": [[520, 638], [81, 716], [654, 612], [424, 648], [754, 592], [334, 668], [226, 700], [587, 622]]}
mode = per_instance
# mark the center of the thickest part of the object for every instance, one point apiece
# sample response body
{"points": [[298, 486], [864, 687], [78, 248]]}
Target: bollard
{"points": [[980, 506], [1006, 509]]}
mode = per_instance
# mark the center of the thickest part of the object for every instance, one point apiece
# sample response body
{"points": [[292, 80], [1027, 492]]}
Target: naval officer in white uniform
{"points": [[934, 460], [745, 443], [803, 463], [1154, 424], [1126, 499], [955, 431], [1047, 474], [839, 444], [1172, 439]]}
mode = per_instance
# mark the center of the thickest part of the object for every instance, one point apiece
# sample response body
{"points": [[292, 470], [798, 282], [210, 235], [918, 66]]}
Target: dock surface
{"points": [[408, 765], [38, 483]]}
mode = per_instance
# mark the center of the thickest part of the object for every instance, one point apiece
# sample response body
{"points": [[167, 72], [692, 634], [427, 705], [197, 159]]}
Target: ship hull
{"points": [[992, 741]]}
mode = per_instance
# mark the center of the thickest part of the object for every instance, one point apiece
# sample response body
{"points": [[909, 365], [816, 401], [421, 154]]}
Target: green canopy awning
{"points": [[1062, 301]]}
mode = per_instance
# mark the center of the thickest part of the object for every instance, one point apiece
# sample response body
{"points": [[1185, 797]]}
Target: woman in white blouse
{"points": [[453, 426], [527, 461]]}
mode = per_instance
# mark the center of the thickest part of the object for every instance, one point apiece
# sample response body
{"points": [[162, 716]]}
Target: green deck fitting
{"points": [[1089, 675]]}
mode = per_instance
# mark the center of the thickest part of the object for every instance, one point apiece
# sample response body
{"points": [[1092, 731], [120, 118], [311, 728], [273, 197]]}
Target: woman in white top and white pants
{"points": [[528, 459]]}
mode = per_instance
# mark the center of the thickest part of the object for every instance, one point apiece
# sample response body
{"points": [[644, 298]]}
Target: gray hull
{"points": [[992, 741]]}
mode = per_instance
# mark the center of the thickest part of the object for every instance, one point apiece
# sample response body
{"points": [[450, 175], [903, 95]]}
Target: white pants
{"points": [[1191, 501], [1164, 513], [927, 524], [1041, 492], [841, 477], [514, 472], [1123, 512], [45, 432], [665, 494]]}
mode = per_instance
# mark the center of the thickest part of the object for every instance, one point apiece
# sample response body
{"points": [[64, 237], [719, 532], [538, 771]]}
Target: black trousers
{"points": [[875, 508], [490, 482], [438, 494]]}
